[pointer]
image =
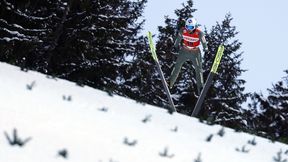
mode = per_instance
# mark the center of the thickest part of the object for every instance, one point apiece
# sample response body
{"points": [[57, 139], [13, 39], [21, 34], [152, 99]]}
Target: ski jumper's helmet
{"points": [[191, 23]]}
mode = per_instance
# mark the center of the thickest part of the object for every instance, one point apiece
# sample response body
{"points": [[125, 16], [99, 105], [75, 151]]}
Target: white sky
{"points": [[263, 31]]}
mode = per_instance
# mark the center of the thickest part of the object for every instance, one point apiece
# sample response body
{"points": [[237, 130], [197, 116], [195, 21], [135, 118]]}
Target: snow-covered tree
{"points": [[226, 95], [25, 26], [269, 115], [90, 42], [98, 39]]}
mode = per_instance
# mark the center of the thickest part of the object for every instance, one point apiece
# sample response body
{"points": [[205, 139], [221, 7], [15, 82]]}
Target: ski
{"points": [[209, 80], [155, 58]]}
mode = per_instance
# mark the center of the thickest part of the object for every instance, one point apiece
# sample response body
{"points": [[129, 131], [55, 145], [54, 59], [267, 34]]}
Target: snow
{"points": [[93, 126], [6, 39], [16, 33]]}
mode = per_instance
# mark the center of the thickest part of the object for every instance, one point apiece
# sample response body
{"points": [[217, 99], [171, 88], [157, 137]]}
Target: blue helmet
{"points": [[191, 24]]}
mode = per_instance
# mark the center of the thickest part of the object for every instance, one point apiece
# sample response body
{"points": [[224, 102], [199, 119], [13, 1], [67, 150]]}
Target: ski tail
{"points": [[154, 55], [209, 80]]}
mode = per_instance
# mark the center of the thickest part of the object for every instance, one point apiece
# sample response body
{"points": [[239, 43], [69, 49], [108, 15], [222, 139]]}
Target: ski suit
{"points": [[188, 44]]}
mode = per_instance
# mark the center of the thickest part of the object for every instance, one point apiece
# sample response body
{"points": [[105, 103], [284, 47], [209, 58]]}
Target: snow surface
{"points": [[93, 126]]}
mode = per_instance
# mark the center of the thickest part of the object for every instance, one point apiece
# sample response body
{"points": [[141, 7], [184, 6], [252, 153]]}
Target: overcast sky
{"points": [[262, 27]]}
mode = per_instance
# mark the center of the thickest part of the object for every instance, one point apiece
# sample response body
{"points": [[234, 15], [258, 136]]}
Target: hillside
{"points": [[48, 119]]}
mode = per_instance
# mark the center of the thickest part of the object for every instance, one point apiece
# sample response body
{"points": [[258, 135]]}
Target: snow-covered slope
{"points": [[60, 119]]}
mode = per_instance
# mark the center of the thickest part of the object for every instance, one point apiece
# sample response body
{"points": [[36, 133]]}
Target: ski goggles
{"points": [[189, 27]]}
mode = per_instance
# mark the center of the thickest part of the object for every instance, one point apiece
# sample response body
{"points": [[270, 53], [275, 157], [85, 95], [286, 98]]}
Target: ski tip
{"points": [[221, 46], [149, 34]]}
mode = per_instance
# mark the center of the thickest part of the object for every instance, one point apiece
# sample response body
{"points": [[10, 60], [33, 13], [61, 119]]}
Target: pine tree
{"points": [[24, 28], [97, 41], [91, 42], [268, 116], [224, 99], [140, 82]]}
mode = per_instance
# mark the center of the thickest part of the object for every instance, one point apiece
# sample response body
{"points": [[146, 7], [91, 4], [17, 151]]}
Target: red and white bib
{"points": [[191, 39]]}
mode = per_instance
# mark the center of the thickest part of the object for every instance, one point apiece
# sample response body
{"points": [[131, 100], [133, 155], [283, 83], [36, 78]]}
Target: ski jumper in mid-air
{"points": [[187, 43]]}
